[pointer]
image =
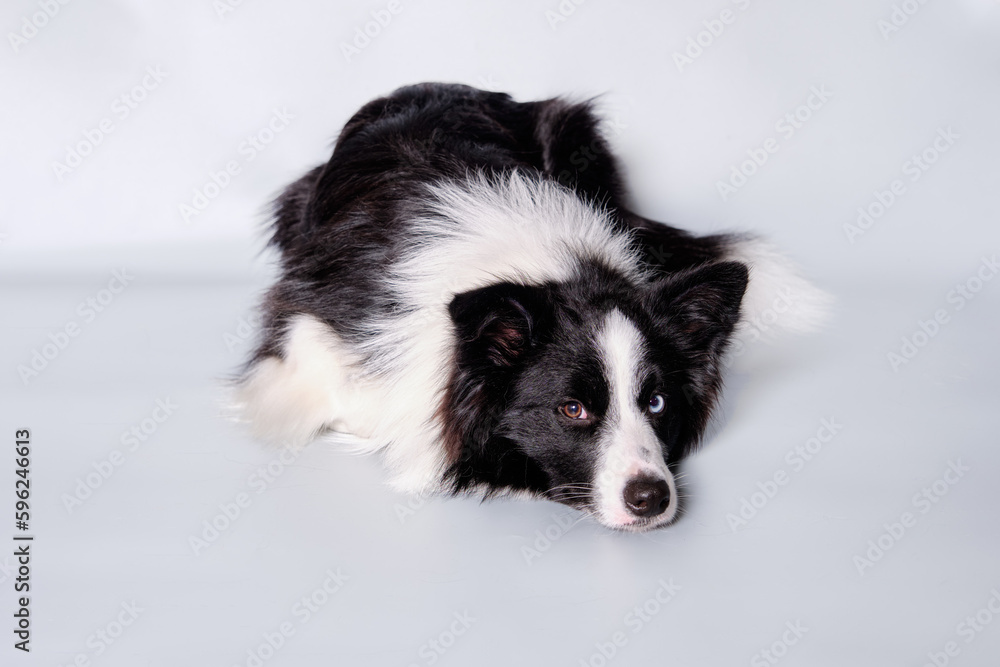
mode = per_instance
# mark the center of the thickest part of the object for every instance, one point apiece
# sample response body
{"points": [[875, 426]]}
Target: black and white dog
{"points": [[460, 292]]}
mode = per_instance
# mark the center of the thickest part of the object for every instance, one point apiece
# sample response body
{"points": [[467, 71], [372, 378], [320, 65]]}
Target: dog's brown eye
{"points": [[574, 410]]}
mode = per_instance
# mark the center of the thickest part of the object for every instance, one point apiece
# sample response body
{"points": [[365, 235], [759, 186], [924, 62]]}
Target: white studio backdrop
{"points": [[842, 511]]}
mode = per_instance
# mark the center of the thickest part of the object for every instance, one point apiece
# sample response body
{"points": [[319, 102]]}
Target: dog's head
{"points": [[588, 392]]}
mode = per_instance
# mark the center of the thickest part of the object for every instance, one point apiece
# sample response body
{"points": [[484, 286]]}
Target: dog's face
{"points": [[589, 392]]}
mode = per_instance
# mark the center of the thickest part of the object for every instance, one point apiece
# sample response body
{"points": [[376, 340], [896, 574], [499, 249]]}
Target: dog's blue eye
{"points": [[656, 404]]}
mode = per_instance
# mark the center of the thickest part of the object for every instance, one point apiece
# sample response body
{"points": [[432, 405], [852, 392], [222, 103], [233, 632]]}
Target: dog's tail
{"points": [[778, 297]]}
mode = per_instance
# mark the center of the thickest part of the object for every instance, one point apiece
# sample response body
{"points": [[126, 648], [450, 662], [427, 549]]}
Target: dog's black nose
{"points": [[647, 497]]}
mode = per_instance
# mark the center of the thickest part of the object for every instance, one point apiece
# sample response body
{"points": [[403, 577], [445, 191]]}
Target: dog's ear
{"points": [[699, 308], [497, 325]]}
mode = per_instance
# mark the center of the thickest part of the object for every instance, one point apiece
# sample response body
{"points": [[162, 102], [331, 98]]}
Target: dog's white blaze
{"points": [[629, 446]]}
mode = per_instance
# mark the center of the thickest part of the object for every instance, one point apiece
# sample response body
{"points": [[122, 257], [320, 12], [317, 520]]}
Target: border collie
{"points": [[464, 294]]}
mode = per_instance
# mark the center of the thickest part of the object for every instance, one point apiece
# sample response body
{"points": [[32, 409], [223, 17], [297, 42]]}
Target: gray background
{"points": [[540, 585]]}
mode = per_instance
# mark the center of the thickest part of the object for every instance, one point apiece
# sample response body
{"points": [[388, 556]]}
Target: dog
{"points": [[463, 292]]}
